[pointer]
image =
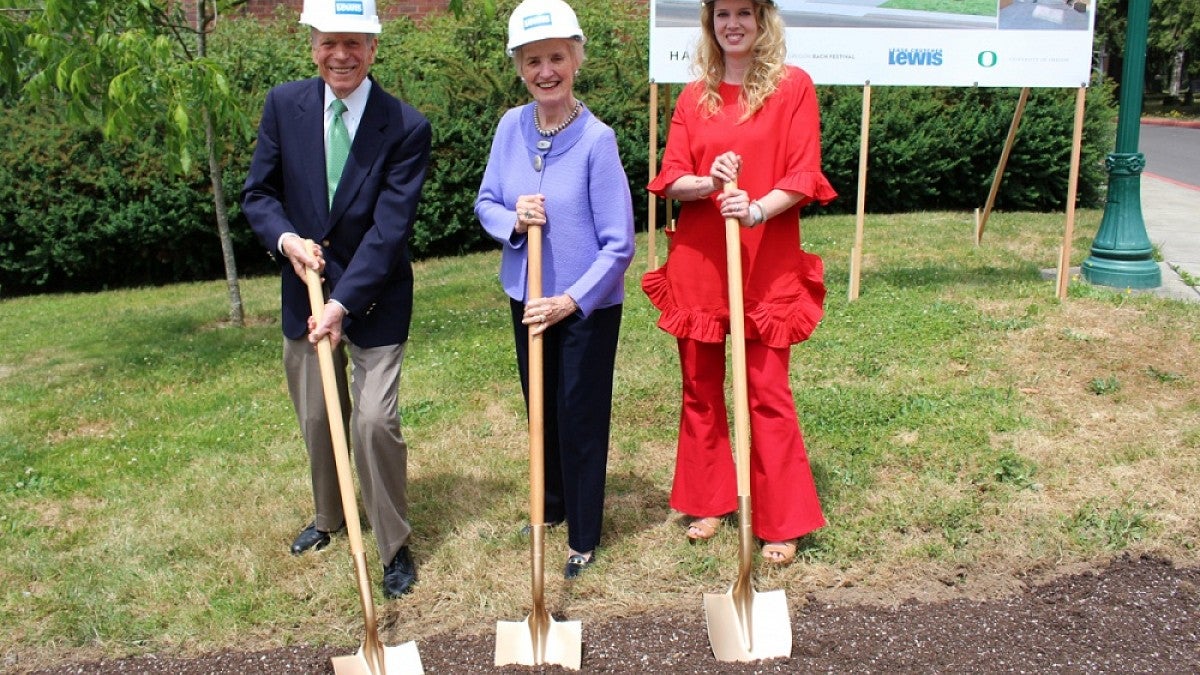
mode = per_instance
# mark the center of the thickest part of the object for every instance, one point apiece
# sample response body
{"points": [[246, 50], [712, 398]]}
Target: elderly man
{"points": [[359, 206]]}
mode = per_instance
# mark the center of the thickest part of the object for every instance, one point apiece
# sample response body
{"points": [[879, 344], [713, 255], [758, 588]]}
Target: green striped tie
{"points": [[338, 148]]}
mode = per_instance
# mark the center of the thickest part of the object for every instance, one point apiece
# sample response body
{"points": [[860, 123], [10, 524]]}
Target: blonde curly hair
{"points": [[767, 67]]}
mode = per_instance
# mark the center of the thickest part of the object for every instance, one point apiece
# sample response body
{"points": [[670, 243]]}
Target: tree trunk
{"points": [[1177, 74], [236, 313], [216, 175]]}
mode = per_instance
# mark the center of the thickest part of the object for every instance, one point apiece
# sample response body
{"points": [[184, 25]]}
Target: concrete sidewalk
{"points": [[1171, 210]]}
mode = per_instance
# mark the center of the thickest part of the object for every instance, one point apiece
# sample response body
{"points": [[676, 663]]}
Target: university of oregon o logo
{"points": [[987, 59]]}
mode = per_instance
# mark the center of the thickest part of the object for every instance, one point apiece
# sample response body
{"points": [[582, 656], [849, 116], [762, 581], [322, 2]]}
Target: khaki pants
{"points": [[380, 453]]}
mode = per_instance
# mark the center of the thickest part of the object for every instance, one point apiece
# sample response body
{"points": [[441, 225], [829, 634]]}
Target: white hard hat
{"points": [[535, 20], [341, 16]]}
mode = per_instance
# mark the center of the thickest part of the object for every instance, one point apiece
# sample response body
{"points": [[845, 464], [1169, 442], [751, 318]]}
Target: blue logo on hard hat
{"points": [[348, 8], [538, 20]]}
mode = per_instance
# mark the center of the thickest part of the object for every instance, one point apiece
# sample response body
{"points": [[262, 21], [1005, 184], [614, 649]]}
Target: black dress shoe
{"points": [[576, 564], [399, 575], [310, 538]]}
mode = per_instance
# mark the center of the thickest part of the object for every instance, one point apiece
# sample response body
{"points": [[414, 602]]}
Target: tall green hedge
{"points": [[938, 148], [78, 212]]}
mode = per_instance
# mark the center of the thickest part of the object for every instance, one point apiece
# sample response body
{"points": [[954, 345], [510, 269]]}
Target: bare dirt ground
{"points": [[1138, 614]]}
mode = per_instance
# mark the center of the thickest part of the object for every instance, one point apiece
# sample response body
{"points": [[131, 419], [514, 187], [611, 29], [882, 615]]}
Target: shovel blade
{"points": [[763, 632], [399, 660], [518, 642]]}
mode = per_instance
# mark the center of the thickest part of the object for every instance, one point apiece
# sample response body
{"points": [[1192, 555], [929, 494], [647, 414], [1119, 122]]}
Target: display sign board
{"points": [[986, 43]]}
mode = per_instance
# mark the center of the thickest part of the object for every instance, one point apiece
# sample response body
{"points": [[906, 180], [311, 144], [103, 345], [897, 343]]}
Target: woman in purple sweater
{"points": [[554, 165]]}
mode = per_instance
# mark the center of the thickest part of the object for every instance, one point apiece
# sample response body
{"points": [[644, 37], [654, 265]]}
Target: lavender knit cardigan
{"points": [[588, 236]]}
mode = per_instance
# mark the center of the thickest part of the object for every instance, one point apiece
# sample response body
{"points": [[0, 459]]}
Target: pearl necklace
{"points": [[547, 133]]}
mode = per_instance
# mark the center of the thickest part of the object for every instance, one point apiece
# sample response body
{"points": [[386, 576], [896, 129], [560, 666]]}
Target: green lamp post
{"points": [[1121, 254]]}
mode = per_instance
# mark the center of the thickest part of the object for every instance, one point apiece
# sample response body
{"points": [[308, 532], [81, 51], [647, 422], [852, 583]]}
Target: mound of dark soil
{"points": [[1136, 615]]}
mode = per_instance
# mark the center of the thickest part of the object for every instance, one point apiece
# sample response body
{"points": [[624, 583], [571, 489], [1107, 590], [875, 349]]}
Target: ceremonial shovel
{"points": [[744, 625], [373, 657], [539, 639]]}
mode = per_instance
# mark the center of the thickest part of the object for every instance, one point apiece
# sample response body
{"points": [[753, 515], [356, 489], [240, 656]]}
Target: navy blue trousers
{"points": [[579, 356]]}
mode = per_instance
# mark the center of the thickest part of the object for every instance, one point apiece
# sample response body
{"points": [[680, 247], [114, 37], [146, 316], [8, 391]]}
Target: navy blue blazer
{"points": [[364, 234]]}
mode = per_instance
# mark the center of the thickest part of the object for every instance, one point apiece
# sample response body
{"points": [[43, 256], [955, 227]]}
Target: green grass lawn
{"points": [[966, 428]]}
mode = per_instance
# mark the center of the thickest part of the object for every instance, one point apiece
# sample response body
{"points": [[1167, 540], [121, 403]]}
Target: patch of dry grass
{"points": [[1133, 448]]}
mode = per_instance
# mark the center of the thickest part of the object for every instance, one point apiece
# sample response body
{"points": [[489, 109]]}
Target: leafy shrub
{"points": [[456, 73], [81, 213], [937, 148]]}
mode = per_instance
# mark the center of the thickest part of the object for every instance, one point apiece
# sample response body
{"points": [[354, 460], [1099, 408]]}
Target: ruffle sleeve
{"points": [[664, 179], [677, 158], [812, 184]]}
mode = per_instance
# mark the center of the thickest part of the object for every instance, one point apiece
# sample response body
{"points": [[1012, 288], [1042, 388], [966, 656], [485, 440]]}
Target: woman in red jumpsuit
{"points": [[750, 118]]}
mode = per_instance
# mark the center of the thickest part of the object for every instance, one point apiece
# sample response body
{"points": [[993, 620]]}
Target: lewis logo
{"points": [[914, 57]]}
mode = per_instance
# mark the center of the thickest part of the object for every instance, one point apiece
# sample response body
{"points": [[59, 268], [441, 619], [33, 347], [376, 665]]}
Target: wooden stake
{"points": [[1064, 262], [1059, 272], [856, 252], [652, 205], [1008, 145], [855, 261]]}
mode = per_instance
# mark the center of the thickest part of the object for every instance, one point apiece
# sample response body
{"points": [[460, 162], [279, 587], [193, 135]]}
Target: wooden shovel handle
{"points": [[333, 408], [537, 427], [737, 333], [372, 647], [537, 392]]}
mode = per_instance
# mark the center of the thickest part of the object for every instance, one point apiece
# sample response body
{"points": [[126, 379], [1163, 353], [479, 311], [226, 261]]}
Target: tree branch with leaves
{"points": [[135, 68]]}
